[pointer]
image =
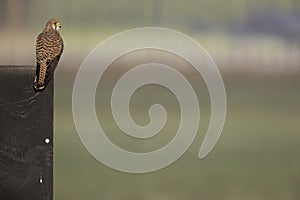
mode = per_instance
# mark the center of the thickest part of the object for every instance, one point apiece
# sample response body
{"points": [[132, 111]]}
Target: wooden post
{"points": [[26, 136]]}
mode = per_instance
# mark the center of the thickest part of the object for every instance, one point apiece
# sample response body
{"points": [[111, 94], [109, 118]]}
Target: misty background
{"points": [[256, 46]]}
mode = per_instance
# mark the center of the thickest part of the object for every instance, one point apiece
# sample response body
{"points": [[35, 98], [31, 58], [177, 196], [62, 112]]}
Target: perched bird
{"points": [[49, 47]]}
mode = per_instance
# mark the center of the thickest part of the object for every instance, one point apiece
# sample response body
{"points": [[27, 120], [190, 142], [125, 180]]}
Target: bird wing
{"points": [[48, 51], [51, 66]]}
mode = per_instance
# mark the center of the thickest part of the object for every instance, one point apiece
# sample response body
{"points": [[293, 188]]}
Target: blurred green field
{"points": [[257, 156]]}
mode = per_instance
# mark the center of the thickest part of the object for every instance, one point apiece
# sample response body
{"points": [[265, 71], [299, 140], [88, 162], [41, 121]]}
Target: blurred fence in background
{"points": [[258, 36]]}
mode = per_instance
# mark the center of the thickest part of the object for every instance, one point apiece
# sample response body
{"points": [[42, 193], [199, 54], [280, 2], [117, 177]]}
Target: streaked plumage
{"points": [[49, 47]]}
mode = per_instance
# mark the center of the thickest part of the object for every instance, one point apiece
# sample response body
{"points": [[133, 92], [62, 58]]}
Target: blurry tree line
{"points": [[20, 13], [261, 33]]}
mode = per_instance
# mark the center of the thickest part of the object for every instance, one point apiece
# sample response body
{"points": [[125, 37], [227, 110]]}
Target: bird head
{"points": [[53, 24]]}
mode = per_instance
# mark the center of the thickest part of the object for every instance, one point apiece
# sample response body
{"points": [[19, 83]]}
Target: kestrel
{"points": [[49, 47]]}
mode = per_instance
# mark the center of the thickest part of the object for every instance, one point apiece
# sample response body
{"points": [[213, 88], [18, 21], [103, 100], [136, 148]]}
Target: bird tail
{"points": [[39, 81]]}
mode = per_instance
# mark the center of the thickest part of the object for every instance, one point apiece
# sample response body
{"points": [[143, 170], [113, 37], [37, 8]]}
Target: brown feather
{"points": [[49, 47]]}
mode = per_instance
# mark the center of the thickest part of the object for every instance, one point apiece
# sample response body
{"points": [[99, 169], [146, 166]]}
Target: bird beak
{"points": [[58, 25]]}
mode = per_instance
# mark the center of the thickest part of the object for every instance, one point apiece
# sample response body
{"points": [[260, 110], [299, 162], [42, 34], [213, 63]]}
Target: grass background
{"points": [[257, 156]]}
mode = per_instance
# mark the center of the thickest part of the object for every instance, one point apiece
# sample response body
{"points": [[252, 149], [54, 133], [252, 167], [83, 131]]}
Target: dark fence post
{"points": [[26, 136]]}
